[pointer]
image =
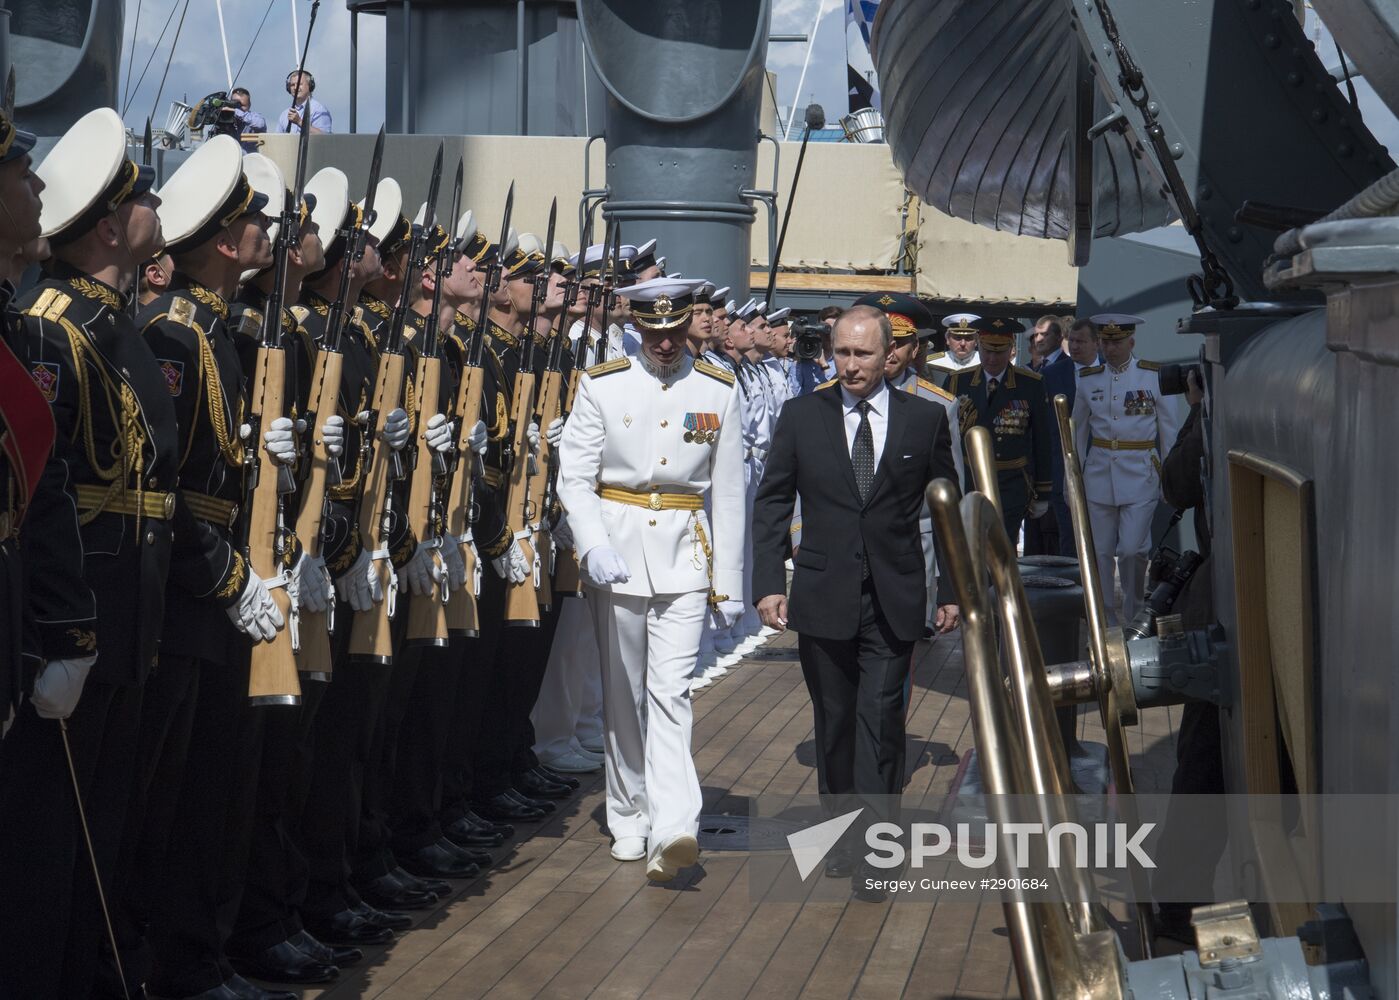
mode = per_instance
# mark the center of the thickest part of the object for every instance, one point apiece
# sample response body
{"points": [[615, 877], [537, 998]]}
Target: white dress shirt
{"points": [[879, 417]]}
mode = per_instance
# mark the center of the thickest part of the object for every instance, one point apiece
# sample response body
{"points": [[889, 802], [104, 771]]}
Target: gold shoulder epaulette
{"points": [[1027, 373], [608, 367], [1092, 370], [714, 371], [828, 384], [935, 388], [939, 354], [49, 305], [358, 314], [300, 312], [182, 311], [250, 325], [1151, 366]]}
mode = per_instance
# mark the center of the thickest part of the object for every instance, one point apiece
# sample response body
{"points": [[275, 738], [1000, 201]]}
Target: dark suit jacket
{"points": [[809, 457], [1060, 378]]}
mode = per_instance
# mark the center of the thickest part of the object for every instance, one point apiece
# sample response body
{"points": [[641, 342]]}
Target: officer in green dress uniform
{"points": [[1008, 401]]}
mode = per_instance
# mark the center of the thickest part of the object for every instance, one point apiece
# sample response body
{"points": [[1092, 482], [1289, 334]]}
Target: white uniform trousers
{"points": [[748, 623], [1122, 535], [648, 646], [559, 710]]}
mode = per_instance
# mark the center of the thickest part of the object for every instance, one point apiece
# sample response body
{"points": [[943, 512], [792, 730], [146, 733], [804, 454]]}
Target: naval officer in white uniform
{"points": [[961, 350], [647, 438], [1122, 427]]}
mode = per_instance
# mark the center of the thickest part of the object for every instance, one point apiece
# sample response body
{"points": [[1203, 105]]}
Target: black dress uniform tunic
{"points": [[197, 823], [101, 530], [1018, 417]]}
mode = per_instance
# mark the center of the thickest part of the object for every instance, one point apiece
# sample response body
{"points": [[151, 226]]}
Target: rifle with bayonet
{"points": [[314, 657], [371, 637], [427, 616], [272, 677], [462, 617], [522, 600]]}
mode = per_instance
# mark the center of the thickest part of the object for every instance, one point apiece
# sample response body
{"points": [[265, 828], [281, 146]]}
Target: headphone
{"points": [[310, 79]]}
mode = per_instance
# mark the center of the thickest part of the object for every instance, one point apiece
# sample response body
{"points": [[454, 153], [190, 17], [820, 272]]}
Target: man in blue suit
{"points": [[1060, 377]]}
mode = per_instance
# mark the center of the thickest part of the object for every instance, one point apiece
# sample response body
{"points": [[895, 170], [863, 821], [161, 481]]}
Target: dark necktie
{"points": [[862, 452]]}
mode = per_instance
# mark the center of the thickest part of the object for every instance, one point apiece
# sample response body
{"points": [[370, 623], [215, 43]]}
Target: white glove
{"points": [[555, 432], [532, 436], [313, 588], [479, 438], [59, 685], [455, 562], [424, 569], [359, 585], [726, 613], [438, 434], [603, 565], [255, 615], [333, 434], [396, 429], [1038, 509], [510, 565], [280, 441]]}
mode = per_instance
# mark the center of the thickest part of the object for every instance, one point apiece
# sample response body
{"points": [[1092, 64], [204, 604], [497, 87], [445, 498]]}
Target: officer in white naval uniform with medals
{"points": [[1122, 427], [648, 436]]}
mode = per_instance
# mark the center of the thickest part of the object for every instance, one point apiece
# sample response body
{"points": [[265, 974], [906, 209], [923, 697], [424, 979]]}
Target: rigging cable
{"points": [[256, 33], [126, 101], [174, 44], [131, 59]]}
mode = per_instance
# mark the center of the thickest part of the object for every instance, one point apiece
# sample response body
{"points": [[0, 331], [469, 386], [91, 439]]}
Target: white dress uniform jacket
{"points": [[944, 361], [627, 429], [1122, 427]]}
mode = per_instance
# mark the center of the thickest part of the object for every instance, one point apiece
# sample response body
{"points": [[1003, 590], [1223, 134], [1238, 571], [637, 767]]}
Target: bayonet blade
{"points": [[549, 238], [375, 166], [146, 145], [433, 186]]}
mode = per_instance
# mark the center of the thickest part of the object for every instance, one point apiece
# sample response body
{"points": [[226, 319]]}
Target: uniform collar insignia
{"points": [[376, 305], [97, 290], [207, 297]]}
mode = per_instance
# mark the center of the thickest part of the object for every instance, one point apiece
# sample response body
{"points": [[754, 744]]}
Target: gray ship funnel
{"points": [[684, 82]]}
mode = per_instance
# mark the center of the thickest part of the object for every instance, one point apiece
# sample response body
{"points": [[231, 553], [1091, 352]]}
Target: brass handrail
{"points": [[1060, 948]]}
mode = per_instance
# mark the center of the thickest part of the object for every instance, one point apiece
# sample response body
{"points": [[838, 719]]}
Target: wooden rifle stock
{"points": [[462, 615], [427, 616], [272, 679], [521, 600], [314, 656], [371, 635]]}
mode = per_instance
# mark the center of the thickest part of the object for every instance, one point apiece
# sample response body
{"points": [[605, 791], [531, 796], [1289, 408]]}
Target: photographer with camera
{"points": [[249, 121]]}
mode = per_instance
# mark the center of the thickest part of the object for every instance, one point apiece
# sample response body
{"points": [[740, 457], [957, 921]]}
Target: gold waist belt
{"points": [[211, 509], [1116, 445], [103, 500], [1014, 463], [651, 501]]}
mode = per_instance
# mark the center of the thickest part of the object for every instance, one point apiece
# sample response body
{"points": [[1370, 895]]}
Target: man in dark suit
{"points": [[860, 456], [1061, 378]]}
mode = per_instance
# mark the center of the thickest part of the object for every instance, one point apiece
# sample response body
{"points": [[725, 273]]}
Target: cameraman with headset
{"points": [[305, 108]]}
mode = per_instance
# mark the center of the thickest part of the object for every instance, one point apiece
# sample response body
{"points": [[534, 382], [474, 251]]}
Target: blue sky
{"points": [[198, 66]]}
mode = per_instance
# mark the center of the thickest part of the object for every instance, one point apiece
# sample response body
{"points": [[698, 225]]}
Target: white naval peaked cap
{"points": [[780, 315], [388, 208], [718, 294], [1116, 319], [330, 189], [531, 245], [731, 306], [466, 227], [960, 319], [512, 243], [89, 162], [626, 251], [761, 308], [663, 303], [206, 193], [421, 216], [748, 309], [676, 275], [560, 255], [645, 248], [266, 178]]}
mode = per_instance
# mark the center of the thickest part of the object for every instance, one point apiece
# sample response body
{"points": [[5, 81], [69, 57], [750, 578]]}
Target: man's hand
{"points": [[773, 611], [293, 116], [396, 430], [949, 616], [1194, 391], [59, 686], [603, 565]]}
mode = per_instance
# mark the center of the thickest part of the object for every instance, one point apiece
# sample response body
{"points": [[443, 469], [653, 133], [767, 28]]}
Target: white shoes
{"points": [[573, 763], [629, 848], [674, 853]]}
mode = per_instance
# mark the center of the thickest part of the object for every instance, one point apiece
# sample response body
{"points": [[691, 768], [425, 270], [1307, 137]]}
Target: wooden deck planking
{"points": [[558, 917]]}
